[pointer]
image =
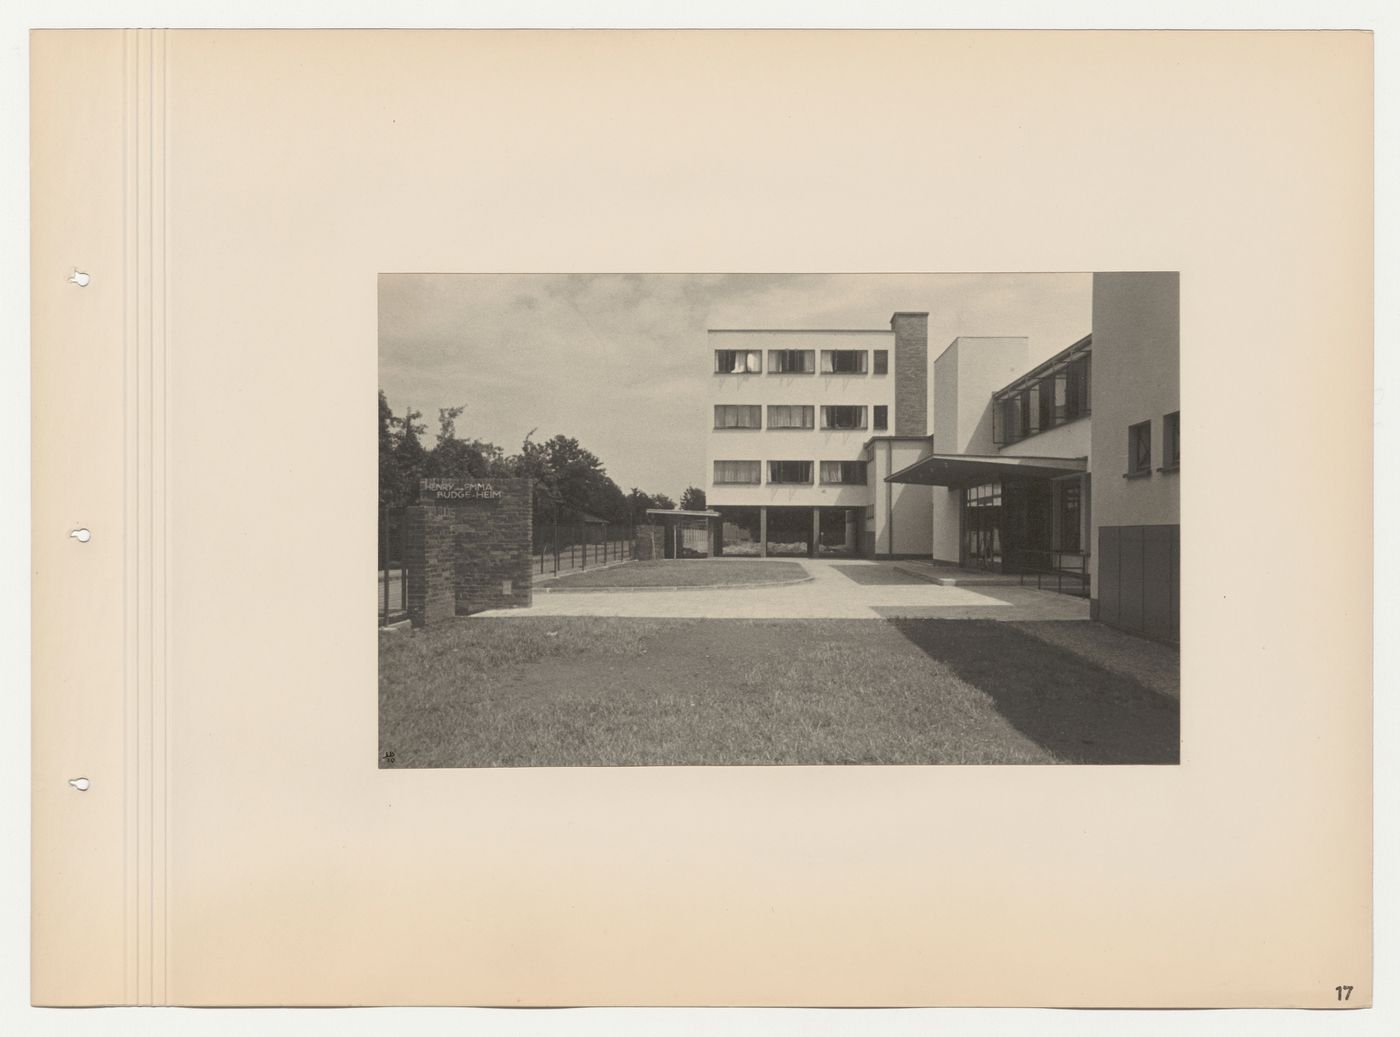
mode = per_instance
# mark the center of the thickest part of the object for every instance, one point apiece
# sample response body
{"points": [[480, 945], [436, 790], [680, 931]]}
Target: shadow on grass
{"points": [[1068, 705]]}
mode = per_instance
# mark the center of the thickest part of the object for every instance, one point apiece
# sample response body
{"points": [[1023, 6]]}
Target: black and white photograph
{"points": [[778, 519]]}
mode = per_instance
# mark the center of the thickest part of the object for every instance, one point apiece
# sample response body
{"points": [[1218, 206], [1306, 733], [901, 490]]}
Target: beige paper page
{"points": [[203, 406]]}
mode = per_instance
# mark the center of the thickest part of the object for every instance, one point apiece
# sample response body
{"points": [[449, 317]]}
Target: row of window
{"points": [[790, 473], [1059, 396], [1140, 445], [800, 361], [799, 416]]}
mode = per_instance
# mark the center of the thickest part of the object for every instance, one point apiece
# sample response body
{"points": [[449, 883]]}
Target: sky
{"points": [[618, 361]]}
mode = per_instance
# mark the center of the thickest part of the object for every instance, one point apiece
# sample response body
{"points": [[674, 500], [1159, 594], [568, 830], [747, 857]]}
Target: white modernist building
{"points": [[806, 425], [1066, 471]]}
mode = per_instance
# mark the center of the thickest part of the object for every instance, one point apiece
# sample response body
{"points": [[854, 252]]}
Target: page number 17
{"points": [[1343, 993]]}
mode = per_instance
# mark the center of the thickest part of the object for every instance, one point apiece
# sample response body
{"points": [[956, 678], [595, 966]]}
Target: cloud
{"points": [[613, 359]]}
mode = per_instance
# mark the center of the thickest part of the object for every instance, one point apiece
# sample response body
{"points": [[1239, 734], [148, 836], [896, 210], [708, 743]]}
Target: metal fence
{"points": [[393, 581], [557, 549], [564, 547], [1065, 572]]}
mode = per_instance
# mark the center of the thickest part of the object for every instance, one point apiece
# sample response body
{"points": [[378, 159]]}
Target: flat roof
{"points": [[683, 514], [899, 439], [799, 331], [969, 469]]}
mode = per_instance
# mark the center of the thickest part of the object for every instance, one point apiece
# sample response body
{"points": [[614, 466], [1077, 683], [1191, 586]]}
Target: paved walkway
{"points": [[838, 590]]}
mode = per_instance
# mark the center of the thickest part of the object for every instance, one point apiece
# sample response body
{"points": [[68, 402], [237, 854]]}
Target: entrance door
{"points": [[1028, 526], [981, 527]]}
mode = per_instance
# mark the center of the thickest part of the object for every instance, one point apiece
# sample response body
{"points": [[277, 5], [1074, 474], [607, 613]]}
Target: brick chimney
{"points": [[910, 373]]}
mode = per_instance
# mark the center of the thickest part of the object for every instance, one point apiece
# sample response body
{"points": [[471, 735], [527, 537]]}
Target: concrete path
{"points": [[838, 590]]}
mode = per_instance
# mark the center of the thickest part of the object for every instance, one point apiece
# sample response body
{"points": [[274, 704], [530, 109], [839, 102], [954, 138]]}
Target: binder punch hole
{"points": [[79, 278], [82, 535], [81, 784]]}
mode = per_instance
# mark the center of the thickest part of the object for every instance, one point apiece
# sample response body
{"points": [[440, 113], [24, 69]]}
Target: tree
{"points": [[454, 458], [638, 502], [388, 470], [693, 499]]}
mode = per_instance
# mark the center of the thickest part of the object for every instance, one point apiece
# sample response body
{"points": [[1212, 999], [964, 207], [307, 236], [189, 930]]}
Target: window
{"points": [[790, 472], [736, 473], [1070, 515], [843, 417], [843, 361], [882, 361], [1006, 420], [785, 416], [882, 419], [736, 416], [792, 361], [1077, 389], [1140, 448], [1171, 441], [738, 361], [844, 473], [1057, 395]]}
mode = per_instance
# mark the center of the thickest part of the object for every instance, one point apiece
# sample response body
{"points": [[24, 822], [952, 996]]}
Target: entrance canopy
{"points": [[969, 469], [679, 514]]}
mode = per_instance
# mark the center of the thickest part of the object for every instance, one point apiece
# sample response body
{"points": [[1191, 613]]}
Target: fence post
{"points": [[584, 538]]}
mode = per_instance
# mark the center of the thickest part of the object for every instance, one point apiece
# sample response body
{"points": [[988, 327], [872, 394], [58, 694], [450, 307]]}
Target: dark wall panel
{"points": [[1130, 575], [1158, 549], [1108, 575], [1140, 579]]}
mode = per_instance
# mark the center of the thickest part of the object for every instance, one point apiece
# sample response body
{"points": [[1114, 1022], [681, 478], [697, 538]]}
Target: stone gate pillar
{"points": [[469, 543]]}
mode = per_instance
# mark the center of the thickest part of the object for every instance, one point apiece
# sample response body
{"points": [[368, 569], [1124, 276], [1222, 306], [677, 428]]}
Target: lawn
{"points": [[697, 572], [575, 691]]}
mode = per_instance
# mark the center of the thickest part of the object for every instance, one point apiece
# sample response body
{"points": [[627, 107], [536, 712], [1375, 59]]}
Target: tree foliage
{"points": [[693, 499], [570, 481]]}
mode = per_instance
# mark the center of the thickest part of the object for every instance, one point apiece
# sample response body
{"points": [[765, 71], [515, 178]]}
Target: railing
{"points": [[393, 573], [1065, 572], [564, 548]]}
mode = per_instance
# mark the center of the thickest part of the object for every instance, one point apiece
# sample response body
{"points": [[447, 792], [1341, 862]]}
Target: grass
{"points": [[682, 573], [575, 691]]}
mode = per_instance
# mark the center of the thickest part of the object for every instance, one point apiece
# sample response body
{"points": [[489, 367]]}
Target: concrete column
{"points": [[763, 532], [815, 549], [848, 539]]}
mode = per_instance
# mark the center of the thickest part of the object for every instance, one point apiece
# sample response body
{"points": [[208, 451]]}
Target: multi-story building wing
{"points": [[795, 462]]}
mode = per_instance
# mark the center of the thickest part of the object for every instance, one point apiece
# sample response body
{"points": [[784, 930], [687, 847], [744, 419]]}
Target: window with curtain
{"points": [[843, 361], [791, 361], [843, 417], [790, 416], [790, 472], [738, 361], [843, 473], [737, 473], [882, 419], [882, 361], [728, 415]]}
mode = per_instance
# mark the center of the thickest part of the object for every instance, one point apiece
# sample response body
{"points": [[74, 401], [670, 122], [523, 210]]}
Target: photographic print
{"points": [[778, 519]]}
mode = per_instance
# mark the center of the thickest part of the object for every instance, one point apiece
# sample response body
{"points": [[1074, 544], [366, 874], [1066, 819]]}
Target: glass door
{"points": [[981, 527]]}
